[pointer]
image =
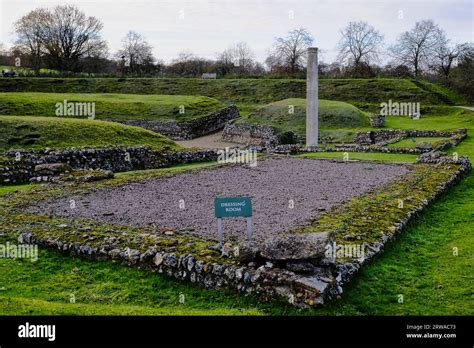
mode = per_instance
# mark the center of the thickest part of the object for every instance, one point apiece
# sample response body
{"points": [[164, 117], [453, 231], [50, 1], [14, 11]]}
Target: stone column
{"points": [[312, 98]]}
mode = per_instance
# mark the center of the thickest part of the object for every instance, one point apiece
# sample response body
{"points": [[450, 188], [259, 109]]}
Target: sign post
{"points": [[226, 207]]}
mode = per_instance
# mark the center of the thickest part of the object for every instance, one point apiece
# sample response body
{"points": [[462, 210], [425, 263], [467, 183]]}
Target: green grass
{"points": [[419, 265], [112, 106], [239, 91], [363, 156], [28, 132], [101, 287], [412, 142], [290, 115], [443, 93]]}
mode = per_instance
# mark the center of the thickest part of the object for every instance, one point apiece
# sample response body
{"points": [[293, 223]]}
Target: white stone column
{"points": [[312, 98]]}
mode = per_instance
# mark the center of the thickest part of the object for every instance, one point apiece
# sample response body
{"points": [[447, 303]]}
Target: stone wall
{"points": [[366, 142], [189, 129], [266, 281], [376, 121], [385, 136], [286, 269], [41, 165], [250, 134]]}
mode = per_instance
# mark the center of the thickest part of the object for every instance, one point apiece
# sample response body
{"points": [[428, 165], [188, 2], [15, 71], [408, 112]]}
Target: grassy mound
{"points": [[25, 132], [245, 91], [290, 115], [112, 106]]}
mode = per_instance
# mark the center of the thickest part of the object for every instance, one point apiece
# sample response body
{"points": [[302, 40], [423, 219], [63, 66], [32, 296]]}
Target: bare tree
{"points": [[447, 55], [30, 30], [244, 57], [290, 51], [416, 47], [188, 64], [136, 54], [237, 58], [360, 43], [225, 62], [69, 35]]}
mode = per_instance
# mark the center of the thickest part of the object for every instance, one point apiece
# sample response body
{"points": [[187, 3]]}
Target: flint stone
{"points": [[230, 272], [158, 259], [239, 273], [217, 269], [190, 263], [148, 255], [313, 284], [115, 253], [208, 282], [170, 260], [51, 168], [199, 266], [132, 255], [300, 267], [247, 277], [296, 247], [247, 254]]}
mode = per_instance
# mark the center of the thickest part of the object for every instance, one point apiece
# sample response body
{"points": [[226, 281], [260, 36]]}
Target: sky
{"points": [[207, 27]]}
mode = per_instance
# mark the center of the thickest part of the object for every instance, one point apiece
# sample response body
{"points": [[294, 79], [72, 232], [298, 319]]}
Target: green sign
{"points": [[233, 207]]}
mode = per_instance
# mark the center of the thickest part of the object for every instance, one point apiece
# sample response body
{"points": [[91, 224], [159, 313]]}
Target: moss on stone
{"points": [[15, 220], [367, 218]]}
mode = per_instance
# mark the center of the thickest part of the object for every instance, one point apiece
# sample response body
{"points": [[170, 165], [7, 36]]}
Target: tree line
{"points": [[65, 39]]}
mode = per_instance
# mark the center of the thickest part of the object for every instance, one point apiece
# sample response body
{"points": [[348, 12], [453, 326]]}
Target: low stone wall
{"points": [[250, 134], [266, 281], [288, 268], [346, 270], [386, 136], [376, 121], [189, 129], [376, 141], [366, 142], [42, 165], [295, 149]]}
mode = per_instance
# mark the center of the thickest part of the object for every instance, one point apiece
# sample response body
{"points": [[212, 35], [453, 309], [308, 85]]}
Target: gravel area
{"points": [[314, 185], [210, 141]]}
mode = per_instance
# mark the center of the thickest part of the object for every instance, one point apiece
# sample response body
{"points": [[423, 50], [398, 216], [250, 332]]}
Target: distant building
{"points": [[209, 75]]}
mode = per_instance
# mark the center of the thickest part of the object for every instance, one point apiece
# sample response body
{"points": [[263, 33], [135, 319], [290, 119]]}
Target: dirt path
{"points": [[466, 107], [210, 141], [313, 185]]}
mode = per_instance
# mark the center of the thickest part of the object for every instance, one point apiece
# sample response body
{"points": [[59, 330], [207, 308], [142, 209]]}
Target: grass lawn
{"points": [[112, 106], [102, 287], [421, 264], [31, 132], [412, 142]]}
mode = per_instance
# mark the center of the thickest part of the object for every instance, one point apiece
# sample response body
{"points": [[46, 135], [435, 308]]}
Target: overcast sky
{"points": [[206, 27]]}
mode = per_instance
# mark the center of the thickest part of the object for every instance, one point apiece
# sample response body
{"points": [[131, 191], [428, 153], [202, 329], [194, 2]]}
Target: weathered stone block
{"points": [[296, 247]]}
